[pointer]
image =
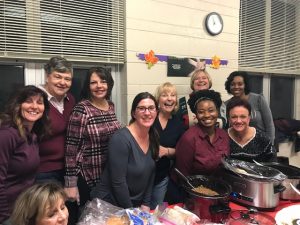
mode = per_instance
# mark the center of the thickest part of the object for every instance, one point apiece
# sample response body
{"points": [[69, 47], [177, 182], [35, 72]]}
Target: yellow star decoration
{"points": [[215, 62], [151, 59]]}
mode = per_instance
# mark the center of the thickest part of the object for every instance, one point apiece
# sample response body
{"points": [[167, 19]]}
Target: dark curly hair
{"points": [[202, 95], [234, 74]]}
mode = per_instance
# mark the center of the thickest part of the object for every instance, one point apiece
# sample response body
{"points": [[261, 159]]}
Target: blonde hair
{"points": [[194, 77], [31, 204], [165, 88]]}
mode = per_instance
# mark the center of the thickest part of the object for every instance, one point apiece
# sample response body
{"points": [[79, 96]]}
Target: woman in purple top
{"points": [[92, 123], [201, 148], [23, 124]]}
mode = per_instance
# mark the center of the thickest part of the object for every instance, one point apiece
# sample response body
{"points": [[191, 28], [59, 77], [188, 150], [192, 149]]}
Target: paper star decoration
{"points": [[215, 62]]}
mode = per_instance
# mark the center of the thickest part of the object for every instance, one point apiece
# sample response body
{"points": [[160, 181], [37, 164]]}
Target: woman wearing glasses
{"points": [[246, 142], [92, 123], [129, 174]]}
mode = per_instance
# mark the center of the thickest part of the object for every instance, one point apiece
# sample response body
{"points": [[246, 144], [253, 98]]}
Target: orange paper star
{"points": [[151, 59], [215, 62]]}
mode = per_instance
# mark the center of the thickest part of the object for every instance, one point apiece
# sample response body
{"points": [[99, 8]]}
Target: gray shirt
{"points": [[129, 174]]}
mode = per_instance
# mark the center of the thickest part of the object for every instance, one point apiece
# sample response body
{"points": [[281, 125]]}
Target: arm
{"points": [[118, 153], [185, 151], [73, 149], [267, 118], [7, 145]]}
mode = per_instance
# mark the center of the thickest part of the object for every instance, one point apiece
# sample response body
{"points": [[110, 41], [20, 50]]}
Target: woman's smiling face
{"points": [[237, 86], [207, 113]]}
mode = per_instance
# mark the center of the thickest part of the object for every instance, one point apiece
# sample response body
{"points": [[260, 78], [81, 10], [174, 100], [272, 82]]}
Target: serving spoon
{"points": [[184, 177], [295, 189]]}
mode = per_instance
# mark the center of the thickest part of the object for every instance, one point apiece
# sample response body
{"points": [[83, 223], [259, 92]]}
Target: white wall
{"points": [[176, 28]]}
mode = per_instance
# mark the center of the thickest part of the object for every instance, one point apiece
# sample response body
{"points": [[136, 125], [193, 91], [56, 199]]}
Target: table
{"points": [[282, 204]]}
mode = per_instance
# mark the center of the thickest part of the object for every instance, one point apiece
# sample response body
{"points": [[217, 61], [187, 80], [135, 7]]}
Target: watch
{"points": [[214, 23]]}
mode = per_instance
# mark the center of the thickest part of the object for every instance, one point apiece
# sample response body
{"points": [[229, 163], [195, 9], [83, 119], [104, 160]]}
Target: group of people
{"points": [[64, 154]]}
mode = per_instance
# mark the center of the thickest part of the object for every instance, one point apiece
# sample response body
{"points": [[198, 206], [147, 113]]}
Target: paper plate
{"points": [[288, 216]]}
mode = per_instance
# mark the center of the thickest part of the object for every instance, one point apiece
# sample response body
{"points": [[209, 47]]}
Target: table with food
{"points": [[244, 193]]}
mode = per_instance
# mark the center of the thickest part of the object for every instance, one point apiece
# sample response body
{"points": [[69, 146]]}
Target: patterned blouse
{"points": [[88, 134], [259, 148]]}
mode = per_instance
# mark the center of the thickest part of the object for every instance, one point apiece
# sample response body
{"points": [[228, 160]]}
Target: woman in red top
{"points": [[201, 148]]}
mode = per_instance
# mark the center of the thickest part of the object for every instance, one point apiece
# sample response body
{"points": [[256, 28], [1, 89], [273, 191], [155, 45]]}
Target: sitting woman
{"points": [[246, 142], [41, 204], [128, 177], [201, 148]]}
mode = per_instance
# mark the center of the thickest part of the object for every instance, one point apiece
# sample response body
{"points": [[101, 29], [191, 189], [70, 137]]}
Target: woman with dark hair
{"points": [[246, 142], [201, 148], [41, 204], [237, 84], [128, 178], [92, 123], [23, 124]]}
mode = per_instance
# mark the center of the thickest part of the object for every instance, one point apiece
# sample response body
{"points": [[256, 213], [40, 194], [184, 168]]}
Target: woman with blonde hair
{"points": [[41, 204], [170, 129], [200, 80]]}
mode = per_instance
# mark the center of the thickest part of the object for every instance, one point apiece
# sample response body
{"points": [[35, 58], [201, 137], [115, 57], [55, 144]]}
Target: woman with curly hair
{"points": [[201, 148], [22, 125]]}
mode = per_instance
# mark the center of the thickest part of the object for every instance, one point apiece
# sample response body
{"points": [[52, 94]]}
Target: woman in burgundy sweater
{"points": [[23, 124]]}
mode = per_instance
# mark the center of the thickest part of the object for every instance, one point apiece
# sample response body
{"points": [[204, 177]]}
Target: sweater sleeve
{"points": [[118, 154], [267, 118], [7, 145], [74, 142], [185, 151]]}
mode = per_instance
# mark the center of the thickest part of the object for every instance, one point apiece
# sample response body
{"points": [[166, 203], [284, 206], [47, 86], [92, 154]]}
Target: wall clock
{"points": [[214, 23]]}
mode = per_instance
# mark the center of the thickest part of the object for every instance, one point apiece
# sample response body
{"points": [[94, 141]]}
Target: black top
{"points": [[258, 148], [168, 138]]}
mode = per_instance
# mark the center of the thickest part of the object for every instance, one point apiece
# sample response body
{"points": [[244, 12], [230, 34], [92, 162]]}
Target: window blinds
{"points": [[80, 30], [269, 37]]}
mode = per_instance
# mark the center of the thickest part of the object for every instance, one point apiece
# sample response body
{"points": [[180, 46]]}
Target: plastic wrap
{"points": [[178, 216], [252, 170], [99, 212]]}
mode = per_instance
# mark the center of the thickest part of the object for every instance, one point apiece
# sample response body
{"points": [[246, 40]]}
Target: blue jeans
{"points": [[158, 193], [54, 176]]}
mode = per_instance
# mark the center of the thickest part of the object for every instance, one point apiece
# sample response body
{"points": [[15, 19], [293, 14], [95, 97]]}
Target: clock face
{"points": [[214, 23]]}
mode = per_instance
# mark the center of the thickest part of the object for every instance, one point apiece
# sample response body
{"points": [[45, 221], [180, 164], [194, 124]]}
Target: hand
{"points": [[145, 208], [163, 151], [72, 194]]}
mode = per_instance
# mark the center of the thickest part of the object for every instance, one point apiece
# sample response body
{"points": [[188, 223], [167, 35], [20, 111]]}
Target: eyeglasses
{"points": [[142, 109]]}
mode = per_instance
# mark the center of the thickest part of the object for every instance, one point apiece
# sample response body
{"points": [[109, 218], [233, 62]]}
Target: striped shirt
{"points": [[88, 134]]}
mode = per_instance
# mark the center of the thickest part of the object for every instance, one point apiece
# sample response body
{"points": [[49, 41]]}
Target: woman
{"points": [[201, 80], [170, 129], [201, 147], [128, 178], [92, 123], [237, 84], [41, 204], [23, 124], [246, 142]]}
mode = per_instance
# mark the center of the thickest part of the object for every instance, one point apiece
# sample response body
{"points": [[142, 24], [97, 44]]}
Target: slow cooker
{"points": [[252, 184], [293, 177], [208, 208]]}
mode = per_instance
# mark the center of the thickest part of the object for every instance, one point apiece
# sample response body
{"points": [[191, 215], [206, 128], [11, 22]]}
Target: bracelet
{"points": [[168, 151]]}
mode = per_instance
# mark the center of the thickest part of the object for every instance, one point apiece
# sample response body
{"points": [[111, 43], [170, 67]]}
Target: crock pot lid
{"points": [[241, 217], [252, 170], [290, 171]]}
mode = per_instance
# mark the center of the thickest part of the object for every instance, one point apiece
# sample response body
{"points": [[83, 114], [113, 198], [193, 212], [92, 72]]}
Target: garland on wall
{"points": [[151, 59]]}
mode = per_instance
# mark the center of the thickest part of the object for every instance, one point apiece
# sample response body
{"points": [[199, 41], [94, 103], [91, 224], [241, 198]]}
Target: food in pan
{"points": [[205, 191]]}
